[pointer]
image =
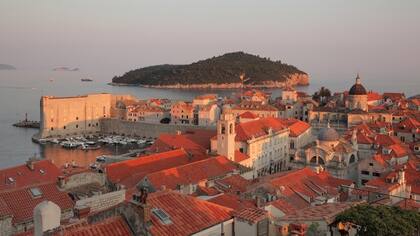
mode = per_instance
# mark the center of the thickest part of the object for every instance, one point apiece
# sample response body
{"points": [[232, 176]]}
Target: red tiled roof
{"points": [[236, 183], [394, 96], [21, 203], [296, 127], [21, 176], [252, 215], [188, 215], [198, 141], [407, 126], [239, 156], [293, 184], [191, 173], [115, 226], [206, 96], [232, 201], [257, 128], [207, 191], [284, 206], [248, 115], [409, 204], [130, 172], [373, 96], [254, 106]]}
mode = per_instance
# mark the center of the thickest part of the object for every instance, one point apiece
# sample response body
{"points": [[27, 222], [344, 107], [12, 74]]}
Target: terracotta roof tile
{"points": [[232, 201], [248, 115], [21, 176], [239, 156], [130, 172], [115, 226], [191, 173], [284, 206], [296, 127], [251, 215], [258, 128], [188, 215], [21, 203], [234, 183]]}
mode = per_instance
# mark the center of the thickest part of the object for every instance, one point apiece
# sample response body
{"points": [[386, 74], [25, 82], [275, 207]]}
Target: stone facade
{"points": [[80, 115]]}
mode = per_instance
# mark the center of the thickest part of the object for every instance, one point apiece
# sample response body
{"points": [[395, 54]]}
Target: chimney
{"points": [[30, 164], [61, 181], [81, 211]]}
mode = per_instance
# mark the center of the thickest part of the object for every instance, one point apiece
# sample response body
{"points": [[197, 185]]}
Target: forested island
{"points": [[7, 67], [217, 72]]}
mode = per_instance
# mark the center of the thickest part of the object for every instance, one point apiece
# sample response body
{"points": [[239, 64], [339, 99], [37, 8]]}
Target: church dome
{"points": [[328, 134], [357, 88]]}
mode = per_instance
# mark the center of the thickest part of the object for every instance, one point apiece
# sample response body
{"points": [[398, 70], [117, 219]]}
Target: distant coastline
{"points": [[64, 68], [7, 67]]}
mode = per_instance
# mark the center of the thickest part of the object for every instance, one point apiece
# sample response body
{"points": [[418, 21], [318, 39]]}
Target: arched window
{"points": [[352, 158], [231, 129], [313, 159], [321, 161]]}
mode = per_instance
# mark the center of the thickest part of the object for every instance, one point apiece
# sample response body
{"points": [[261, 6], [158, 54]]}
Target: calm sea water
{"points": [[20, 92]]}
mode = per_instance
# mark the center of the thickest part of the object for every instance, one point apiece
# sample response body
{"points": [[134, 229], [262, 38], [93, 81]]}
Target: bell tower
{"points": [[226, 136]]}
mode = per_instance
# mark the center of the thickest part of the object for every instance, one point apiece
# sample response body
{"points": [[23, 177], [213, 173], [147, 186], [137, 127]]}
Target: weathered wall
{"points": [[83, 179], [111, 126], [62, 116], [103, 201], [6, 225]]}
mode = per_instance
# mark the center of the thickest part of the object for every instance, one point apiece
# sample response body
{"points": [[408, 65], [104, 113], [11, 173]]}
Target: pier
{"points": [[27, 123]]}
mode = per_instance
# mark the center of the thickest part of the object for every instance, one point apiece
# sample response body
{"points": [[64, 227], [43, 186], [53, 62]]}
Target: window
{"points": [[162, 216], [77, 126], [77, 118], [64, 127], [52, 128], [376, 174], [365, 172], [241, 150], [370, 164], [292, 145], [36, 192], [352, 159]]}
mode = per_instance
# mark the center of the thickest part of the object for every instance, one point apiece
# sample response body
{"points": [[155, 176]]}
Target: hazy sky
{"points": [[326, 38]]}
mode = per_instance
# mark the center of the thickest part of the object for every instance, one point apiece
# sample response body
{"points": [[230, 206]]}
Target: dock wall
{"points": [[122, 127]]}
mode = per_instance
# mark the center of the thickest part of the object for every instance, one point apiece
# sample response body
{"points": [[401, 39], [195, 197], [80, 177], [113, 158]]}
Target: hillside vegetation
{"points": [[218, 70]]}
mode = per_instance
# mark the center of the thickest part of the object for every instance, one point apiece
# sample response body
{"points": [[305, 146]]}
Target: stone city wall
{"points": [[127, 128], [78, 115]]}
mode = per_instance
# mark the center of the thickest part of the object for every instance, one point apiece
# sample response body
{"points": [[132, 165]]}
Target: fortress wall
{"points": [[62, 116], [115, 126]]}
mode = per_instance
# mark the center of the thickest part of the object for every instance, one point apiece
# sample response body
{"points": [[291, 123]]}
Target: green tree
{"points": [[382, 220], [322, 96]]}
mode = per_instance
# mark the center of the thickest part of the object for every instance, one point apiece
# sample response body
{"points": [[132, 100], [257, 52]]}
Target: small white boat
{"points": [[101, 159]]}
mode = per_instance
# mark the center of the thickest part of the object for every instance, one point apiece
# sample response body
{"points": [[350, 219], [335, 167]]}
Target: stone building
{"points": [[261, 109], [262, 144], [336, 155], [183, 113], [79, 115], [146, 113], [357, 98], [354, 111]]}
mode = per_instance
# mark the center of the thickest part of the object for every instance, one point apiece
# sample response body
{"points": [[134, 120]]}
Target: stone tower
{"points": [[226, 136], [357, 99]]}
